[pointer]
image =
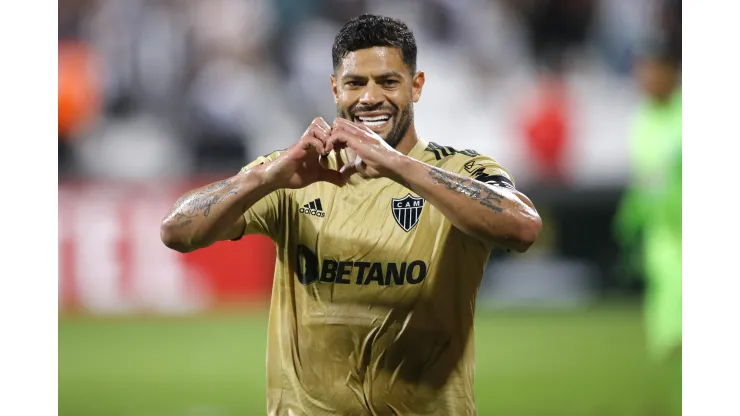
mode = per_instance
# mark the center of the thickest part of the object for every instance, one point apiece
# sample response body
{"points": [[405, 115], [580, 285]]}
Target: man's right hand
{"points": [[300, 166]]}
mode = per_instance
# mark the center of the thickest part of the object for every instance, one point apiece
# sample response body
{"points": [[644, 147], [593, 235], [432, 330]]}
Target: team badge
{"points": [[407, 211]]}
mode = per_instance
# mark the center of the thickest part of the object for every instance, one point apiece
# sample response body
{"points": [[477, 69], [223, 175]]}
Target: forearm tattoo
{"points": [[190, 205], [470, 187]]}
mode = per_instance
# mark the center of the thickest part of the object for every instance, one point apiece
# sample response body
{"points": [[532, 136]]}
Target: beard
{"points": [[401, 120]]}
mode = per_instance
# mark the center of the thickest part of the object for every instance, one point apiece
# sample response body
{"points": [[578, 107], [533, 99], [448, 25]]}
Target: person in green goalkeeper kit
{"points": [[648, 222]]}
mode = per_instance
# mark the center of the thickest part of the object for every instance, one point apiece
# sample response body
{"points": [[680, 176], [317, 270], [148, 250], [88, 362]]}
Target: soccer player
{"points": [[648, 222], [382, 241]]}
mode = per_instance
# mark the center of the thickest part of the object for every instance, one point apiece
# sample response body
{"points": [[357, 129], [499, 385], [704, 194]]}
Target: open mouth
{"points": [[374, 121]]}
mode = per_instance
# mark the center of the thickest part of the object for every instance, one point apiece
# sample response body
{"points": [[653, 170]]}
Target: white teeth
{"points": [[374, 123], [375, 118]]}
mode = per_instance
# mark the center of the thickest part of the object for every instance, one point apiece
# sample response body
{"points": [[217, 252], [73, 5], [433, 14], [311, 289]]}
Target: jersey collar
{"points": [[417, 152]]}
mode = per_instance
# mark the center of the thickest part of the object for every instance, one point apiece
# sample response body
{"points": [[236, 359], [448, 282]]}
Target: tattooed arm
{"points": [[214, 212], [494, 214]]}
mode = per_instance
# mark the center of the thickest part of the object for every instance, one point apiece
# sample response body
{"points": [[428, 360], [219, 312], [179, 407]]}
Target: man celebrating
{"points": [[382, 241]]}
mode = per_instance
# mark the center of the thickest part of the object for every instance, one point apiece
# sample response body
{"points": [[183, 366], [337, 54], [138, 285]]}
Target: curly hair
{"points": [[367, 31]]}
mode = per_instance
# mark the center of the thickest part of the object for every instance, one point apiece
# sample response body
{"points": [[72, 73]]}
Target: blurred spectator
{"points": [[233, 79], [229, 38], [557, 28], [547, 132], [139, 146], [79, 92], [622, 26], [78, 96], [72, 14], [308, 86], [649, 219], [489, 32]]}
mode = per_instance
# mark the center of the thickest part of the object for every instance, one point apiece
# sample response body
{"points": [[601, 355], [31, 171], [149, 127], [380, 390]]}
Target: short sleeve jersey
{"points": [[373, 296]]}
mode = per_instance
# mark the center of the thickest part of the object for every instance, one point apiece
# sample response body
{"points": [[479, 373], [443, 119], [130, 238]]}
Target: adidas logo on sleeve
{"points": [[313, 208]]}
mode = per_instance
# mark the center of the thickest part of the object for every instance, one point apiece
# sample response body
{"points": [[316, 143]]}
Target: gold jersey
{"points": [[373, 295]]}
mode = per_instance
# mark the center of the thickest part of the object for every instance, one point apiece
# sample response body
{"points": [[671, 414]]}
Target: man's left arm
{"points": [[492, 212], [489, 209]]}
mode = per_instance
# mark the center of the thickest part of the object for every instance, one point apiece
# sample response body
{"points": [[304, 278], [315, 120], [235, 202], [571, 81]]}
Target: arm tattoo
{"points": [[187, 207], [210, 188], [466, 186], [182, 219]]}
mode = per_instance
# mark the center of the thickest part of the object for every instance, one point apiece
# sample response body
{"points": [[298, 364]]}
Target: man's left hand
{"points": [[374, 157]]}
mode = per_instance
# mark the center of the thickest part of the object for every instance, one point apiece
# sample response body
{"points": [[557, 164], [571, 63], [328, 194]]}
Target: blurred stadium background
{"points": [[156, 96]]}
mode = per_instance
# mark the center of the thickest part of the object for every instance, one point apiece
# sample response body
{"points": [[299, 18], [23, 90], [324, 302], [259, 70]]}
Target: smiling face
{"points": [[375, 87]]}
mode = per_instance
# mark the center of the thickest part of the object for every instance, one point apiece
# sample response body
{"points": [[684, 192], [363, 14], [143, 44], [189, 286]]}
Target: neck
{"points": [[408, 141]]}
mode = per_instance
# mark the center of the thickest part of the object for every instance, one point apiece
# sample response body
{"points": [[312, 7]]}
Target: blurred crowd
{"points": [[567, 94], [173, 88]]}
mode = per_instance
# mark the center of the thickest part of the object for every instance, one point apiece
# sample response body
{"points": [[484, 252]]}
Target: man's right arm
{"points": [[214, 212]]}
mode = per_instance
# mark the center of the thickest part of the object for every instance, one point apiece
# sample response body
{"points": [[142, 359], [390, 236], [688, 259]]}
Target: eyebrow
{"points": [[384, 75]]}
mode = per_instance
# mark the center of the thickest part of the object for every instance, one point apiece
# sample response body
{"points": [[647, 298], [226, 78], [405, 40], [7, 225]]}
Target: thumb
{"points": [[348, 170]]}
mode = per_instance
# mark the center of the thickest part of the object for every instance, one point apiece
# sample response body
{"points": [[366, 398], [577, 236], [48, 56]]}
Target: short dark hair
{"points": [[368, 30]]}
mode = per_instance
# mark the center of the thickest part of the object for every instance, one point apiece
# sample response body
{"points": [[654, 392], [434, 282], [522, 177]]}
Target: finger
{"points": [[354, 161], [311, 144], [340, 137], [337, 141], [320, 129], [318, 132], [352, 126], [322, 136], [328, 146], [348, 170], [322, 124], [340, 124]]}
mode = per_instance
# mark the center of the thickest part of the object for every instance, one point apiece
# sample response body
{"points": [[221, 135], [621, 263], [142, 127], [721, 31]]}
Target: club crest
{"points": [[407, 211]]}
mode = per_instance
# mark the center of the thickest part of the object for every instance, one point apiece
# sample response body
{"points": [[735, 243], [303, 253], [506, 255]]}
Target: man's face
{"points": [[657, 79], [374, 87]]}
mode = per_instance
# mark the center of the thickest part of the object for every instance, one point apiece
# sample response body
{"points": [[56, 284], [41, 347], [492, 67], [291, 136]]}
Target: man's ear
{"points": [[417, 83], [334, 87]]}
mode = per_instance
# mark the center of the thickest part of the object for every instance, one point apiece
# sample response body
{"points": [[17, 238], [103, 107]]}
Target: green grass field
{"points": [[537, 363]]}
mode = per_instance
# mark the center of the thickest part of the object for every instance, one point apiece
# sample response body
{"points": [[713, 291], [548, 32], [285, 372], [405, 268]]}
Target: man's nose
{"points": [[371, 95]]}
